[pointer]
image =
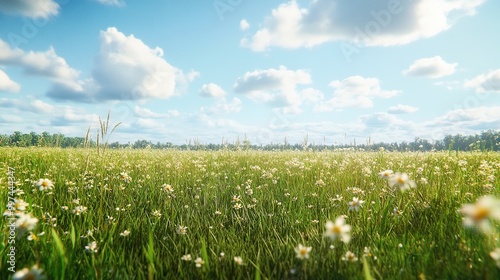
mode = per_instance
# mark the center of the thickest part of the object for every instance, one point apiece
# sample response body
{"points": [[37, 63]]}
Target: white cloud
{"points": [[47, 64], [355, 91], [10, 119], [277, 87], [146, 113], [380, 120], [450, 85], [6, 84], [222, 106], [401, 109], [50, 65], [244, 25], [127, 69], [467, 121], [23, 106], [117, 3], [373, 23], [39, 106], [312, 95], [488, 82], [30, 8], [212, 90], [67, 116], [432, 67], [7, 54]]}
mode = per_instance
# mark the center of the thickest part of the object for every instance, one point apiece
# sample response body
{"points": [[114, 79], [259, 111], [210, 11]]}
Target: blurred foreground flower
{"points": [[495, 255], [338, 230], [35, 273], [479, 214], [26, 222]]}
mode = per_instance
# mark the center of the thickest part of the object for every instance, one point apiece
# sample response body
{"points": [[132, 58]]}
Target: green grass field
{"points": [[241, 214]]}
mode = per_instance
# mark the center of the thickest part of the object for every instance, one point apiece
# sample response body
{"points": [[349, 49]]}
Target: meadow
{"points": [[167, 214]]}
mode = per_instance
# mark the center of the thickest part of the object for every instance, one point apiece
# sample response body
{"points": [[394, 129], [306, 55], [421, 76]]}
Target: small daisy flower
{"points": [[355, 204], [350, 257], [34, 237], [402, 181], [125, 233], [386, 174], [199, 262], [79, 210], [92, 247], [181, 230], [338, 230], [186, 258], [237, 206], [302, 252], [125, 177], [35, 273], [238, 260], [44, 185], [156, 213], [20, 205], [167, 188]]}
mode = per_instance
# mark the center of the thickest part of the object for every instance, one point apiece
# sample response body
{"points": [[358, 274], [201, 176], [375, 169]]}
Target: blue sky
{"points": [[174, 71]]}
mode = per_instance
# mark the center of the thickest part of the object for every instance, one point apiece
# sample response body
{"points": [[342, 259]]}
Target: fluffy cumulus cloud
{"points": [[223, 106], [488, 82], [355, 91], [30, 8], [126, 69], [46, 64], [6, 84], [433, 67], [370, 23], [277, 87], [401, 109], [467, 121], [212, 90]]}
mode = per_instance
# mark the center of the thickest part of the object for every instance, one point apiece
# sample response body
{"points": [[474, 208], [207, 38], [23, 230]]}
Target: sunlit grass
{"points": [[138, 214]]}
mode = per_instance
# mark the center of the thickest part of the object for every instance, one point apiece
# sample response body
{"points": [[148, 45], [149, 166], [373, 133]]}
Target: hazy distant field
{"points": [[243, 214]]}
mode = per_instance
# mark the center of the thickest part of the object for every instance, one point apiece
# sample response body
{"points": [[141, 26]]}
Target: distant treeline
{"points": [[485, 141]]}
